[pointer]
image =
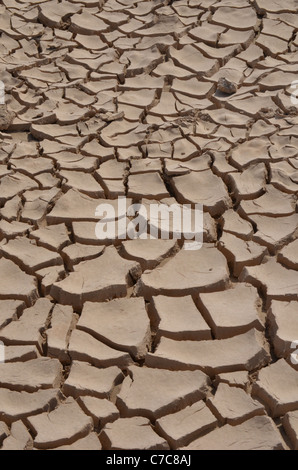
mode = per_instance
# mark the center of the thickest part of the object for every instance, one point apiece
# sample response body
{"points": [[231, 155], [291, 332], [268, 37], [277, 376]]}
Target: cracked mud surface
{"points": [[142, 344]]}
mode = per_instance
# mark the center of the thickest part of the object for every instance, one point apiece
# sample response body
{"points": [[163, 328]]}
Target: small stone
{"points": [[270, 388]]}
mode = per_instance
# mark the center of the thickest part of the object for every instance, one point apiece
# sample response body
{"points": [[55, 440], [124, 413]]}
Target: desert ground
{"points": [[120, 343]]}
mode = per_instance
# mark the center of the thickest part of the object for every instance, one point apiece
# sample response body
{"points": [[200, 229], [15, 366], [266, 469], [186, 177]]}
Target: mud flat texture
{"points": [[143, 344]]}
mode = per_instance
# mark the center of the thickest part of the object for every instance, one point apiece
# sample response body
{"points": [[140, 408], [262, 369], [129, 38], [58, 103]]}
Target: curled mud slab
{"points": [[142, 344]]}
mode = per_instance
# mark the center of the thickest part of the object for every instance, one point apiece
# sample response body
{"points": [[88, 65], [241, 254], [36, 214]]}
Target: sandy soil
{"points": [[120, 344]]}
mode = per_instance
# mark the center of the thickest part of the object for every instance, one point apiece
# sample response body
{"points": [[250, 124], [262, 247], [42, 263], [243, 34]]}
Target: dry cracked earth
{"points": [[141, 344]]}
